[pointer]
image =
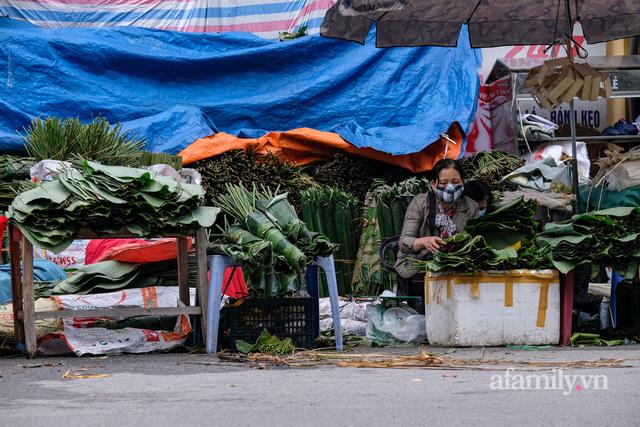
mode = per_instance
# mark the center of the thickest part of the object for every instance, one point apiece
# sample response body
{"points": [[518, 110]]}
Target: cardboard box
{"points": [[561, 83], [584, 72], [574, 88], [595, 85], [605, 89]]}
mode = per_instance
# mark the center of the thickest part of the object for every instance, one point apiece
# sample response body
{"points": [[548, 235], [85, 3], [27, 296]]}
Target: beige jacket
{"points": [[416, 224]]}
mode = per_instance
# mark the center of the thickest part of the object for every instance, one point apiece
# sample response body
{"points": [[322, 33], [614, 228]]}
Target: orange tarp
{"points": [[304, 146]]}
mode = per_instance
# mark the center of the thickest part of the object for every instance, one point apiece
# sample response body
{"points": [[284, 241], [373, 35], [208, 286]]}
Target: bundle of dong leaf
{"points": [[108, 200], [609, 237], [468, 254], [391, 202], [267, 236], [336, 215], [507, 225], [13, 171], [501, 240], [266, 343]]}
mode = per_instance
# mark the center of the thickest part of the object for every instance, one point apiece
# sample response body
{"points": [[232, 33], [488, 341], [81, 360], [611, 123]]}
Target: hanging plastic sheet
{"points": [[172, 87]]}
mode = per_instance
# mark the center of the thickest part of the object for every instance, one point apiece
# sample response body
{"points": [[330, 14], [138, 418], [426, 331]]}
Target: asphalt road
{"points": [[184, 390]]}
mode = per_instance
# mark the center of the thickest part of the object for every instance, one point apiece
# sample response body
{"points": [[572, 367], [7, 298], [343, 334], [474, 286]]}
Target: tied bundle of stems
{"points": [[490, 167], [248, 167], [149, 159], [337, 215]]}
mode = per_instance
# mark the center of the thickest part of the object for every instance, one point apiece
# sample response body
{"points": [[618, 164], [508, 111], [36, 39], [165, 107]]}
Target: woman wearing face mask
{"points": [[480, 193], [430, 218]]}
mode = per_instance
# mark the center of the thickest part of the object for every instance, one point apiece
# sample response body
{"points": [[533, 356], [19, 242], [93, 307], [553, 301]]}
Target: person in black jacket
{"points": [[480, 192]]}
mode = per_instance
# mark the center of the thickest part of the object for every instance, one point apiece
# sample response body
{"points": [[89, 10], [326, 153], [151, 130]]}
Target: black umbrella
{"points": [[490, 23]]}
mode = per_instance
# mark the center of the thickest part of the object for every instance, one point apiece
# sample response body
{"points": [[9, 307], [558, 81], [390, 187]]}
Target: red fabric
{"points": [[97, 248], [238, 287], [3, 225], [144, 251]]}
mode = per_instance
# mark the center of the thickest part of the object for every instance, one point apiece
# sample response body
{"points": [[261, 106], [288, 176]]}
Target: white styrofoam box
{"points": [[464, 310]]}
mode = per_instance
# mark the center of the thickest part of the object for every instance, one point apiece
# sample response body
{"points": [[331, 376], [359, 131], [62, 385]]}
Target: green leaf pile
{"points": [[13, 171], [507, 225], [501, 240], [468, 254], [108, 200], [608, 237], [266, 343]]}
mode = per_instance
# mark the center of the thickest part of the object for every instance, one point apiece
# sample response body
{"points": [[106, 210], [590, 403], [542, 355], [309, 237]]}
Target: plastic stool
{"points": [[615, 280], [327, 264], [217, 266]]}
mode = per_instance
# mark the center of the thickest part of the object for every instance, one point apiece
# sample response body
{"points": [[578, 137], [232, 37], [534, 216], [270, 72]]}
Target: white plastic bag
{"points": [[71, 258], [47, 170], [349, 326], [395, 324]]}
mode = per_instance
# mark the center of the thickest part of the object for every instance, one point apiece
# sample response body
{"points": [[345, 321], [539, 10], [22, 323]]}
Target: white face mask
{"points": [[482, 212]]}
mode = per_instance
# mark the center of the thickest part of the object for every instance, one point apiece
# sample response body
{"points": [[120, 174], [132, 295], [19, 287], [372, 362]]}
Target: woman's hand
{"points": [[430, 243]]}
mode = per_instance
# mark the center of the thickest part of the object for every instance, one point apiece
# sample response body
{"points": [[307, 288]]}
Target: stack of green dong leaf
{"points": [[608, 237], [507, 225], [273, 244], [337, 215], [489, 243], [108, 200], [109, 276], [468, 254]]}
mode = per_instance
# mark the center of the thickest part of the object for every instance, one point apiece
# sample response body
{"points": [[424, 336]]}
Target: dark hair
{"points": [[443, 164], [478, 191]]}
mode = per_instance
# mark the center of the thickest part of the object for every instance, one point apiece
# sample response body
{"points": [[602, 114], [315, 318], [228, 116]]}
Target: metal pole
{"points": [[572, 120], [574, 161]]}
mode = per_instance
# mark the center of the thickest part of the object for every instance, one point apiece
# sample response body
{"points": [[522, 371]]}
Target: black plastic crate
{"points": [[294, 318]]}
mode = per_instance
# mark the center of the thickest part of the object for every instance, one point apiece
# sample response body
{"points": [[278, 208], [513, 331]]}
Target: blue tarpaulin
{"points": [[43, 271], [174, 87]]}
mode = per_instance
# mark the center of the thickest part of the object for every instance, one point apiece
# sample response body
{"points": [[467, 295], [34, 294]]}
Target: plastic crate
{"points": [[294, 318]]}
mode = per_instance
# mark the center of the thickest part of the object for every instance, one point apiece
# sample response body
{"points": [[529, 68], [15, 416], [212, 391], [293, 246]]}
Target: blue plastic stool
{"points": [[615, 279], [217, 266]]}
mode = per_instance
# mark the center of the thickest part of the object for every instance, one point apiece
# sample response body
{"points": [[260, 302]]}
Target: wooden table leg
{"points": [[16, 285], [28, 308], [566, 307], [201, 280], [183, 271]]}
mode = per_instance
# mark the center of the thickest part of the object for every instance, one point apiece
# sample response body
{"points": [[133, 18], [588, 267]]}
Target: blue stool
{"points": [[217, 266], [615, 279]]}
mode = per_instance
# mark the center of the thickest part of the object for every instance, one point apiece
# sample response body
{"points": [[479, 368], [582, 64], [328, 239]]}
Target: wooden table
{"points": [[23, 294]]}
